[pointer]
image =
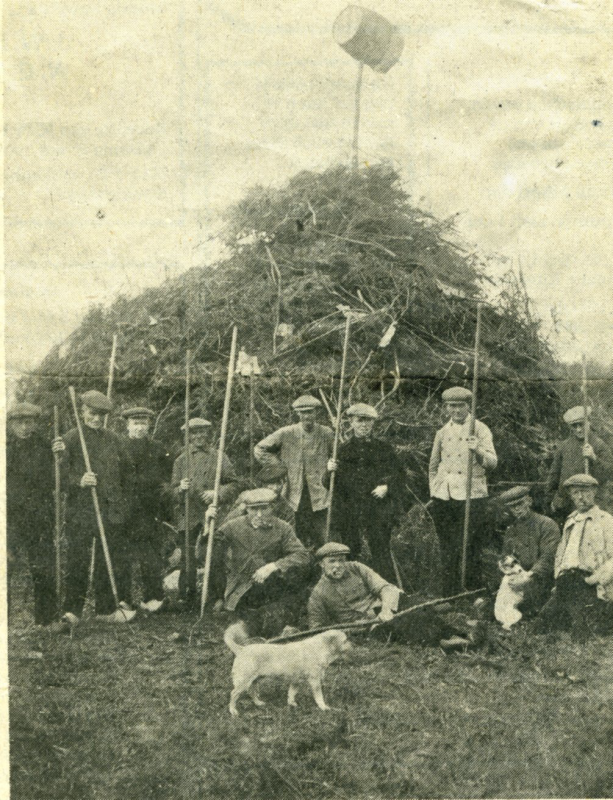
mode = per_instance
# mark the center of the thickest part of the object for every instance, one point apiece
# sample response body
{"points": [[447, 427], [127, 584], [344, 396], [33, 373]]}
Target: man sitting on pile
{"points": [[266, 564], [582, 599], [349, 591]]}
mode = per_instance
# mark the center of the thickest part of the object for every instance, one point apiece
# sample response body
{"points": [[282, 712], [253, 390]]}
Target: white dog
{"points": [[306, 659], [509, 597]]}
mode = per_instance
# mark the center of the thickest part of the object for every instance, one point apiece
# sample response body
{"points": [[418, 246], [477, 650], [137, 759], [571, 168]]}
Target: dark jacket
{"points": [[568, 460], [150, 483], [113, 469], [30, 483], [533, 540]]}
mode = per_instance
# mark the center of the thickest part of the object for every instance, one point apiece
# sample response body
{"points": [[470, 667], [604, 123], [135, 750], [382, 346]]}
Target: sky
{"points": [[130, 127]]}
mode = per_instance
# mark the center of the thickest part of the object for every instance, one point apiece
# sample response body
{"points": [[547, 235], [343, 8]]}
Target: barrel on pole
{"points": [[368, 37]]}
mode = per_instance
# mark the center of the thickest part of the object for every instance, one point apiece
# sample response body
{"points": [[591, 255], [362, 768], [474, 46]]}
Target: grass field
{"points": [[131, 712]]}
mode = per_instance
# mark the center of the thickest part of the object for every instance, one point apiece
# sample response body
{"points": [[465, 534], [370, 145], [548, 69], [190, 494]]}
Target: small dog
{"points": [[306, 659], [509, 597]]}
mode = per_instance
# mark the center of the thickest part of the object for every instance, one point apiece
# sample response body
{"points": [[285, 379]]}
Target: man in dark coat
{"points": [[111, 474], [568, 460], [29, 505], [369, 491], [148, 503]]}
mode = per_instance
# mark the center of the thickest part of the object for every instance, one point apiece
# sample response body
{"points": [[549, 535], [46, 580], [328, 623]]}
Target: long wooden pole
{"points": [[586, 418], [471, 457], [188, 465], [218, 471], [251, 422], [356, 117], [58, 513], [337, 424], [88, 468]]}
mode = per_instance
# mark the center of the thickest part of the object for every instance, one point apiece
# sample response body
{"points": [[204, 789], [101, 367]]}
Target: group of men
{"points": [[269, 537]]}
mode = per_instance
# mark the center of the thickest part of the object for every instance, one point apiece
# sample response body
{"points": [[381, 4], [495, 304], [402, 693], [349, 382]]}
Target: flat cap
{"points": [[586, 481], [305, 402], [272, 474], [137, 411], [197, 423], [513, 495], [258, 497], [575, 414], [332, 549], [362, 410], [97, 401], [24, 410], [457, 394]]}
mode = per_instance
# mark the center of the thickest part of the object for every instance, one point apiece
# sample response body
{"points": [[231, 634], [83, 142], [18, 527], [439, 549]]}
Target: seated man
{"points": [[582, 598], [273, 477], [265, 563], [350, 592], [532, 538]]}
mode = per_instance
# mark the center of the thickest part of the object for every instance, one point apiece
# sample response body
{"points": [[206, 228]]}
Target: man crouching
{"points": [[582, 599], [349, 591]]}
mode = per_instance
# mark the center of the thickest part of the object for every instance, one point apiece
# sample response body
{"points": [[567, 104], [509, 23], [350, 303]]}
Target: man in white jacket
{"points": [[448, 484]]}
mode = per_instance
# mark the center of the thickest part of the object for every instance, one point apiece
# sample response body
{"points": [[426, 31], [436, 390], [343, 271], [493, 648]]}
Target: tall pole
{"points": [[111, 378], [586, 418], [356, 118], [218, 471], [188, 358], [471, 457], [337, 424], [251, 422], [58, 513], [88, 468]]}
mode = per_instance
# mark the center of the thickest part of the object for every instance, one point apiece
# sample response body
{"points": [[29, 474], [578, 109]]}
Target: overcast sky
{"points": [[131, 125]]}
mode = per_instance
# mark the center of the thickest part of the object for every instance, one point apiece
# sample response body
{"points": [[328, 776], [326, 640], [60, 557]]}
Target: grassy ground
{"points": [[137, 711]]}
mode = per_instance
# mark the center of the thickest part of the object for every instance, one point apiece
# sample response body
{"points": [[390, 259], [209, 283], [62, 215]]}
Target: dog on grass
{"points": [[307, 660], [509, 597]]}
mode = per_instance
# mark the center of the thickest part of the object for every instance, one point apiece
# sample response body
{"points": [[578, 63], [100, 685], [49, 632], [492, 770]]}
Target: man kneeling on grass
{"points": [[582, 598], [349, 591]]}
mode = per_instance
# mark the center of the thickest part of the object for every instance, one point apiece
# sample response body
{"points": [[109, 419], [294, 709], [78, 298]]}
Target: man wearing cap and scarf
{"points": [[199, 483], [29, 505], [349, 591], [369, 490], [568, 460], [304, 449], [265, 562], [111, 474], [448, 470], [273, 478], [582, 598], [148, 508], [533, 539]]}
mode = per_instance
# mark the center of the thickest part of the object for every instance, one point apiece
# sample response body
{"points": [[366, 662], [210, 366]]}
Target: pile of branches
{"points": [[294, 258]]}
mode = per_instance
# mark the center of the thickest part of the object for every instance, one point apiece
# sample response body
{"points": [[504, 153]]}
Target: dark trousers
{"points": [[310, 525], [267, 607], [187, 583], [574, 606], [40, 554], [146, 551], [448, 518], [79, 537], [374, 521]]}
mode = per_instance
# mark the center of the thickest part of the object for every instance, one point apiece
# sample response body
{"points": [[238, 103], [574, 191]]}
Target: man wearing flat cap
{"points": [[273, 478], [29, 505], [448, 485], [304, 450], [349, 591], [148, 500], [199, 483], [369, 490], [111, 474], [265, 563], [582, 599], [533, 539], [569, 459]]}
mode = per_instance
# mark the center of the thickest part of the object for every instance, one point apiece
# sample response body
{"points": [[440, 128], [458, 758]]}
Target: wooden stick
{"points": [[188, 464], [337, 425], [372, 623], [471, 432], [251, 423], [218, 471], [586, 419], [109, 385], [58, 513], [356, 118], [88, 468]]}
